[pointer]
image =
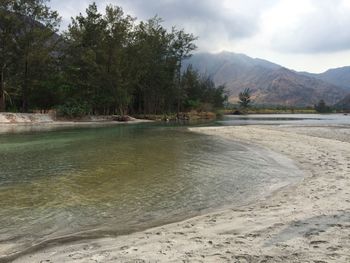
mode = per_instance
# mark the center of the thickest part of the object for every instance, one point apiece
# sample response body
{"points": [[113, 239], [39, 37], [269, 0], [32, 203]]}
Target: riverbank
{"points": [[22, 122], [309, 222]]}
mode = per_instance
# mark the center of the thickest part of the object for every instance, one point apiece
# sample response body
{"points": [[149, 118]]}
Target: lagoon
{"points": [[62, 185]]}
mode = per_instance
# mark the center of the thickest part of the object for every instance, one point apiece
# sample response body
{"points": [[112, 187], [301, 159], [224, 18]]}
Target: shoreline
{"points": [[309, 221], [53, 125]]}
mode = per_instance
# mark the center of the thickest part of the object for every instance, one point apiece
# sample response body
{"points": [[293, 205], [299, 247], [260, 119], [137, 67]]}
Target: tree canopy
{"points": [[104, 63], [27, 47]]}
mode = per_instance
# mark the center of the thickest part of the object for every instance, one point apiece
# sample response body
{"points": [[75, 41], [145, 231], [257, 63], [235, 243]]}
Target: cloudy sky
{"points": [[305, 35]]}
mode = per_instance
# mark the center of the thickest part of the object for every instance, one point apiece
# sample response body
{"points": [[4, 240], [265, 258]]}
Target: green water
{"points": [[81, 183]]}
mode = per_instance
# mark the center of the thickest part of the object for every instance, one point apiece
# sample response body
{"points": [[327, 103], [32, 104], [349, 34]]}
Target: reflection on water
{"points": [[119, 179]]}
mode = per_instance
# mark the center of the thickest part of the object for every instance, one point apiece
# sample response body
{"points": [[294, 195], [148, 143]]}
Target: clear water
{"points": [[77, 183], [288, 119]]}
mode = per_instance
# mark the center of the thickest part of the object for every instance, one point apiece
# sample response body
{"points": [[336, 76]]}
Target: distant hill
{"points": [[270, 83], [337, 76]]}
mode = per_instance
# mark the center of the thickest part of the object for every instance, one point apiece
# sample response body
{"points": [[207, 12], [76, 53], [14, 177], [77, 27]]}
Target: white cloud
{"points": [[308, 26], [302, 34]]}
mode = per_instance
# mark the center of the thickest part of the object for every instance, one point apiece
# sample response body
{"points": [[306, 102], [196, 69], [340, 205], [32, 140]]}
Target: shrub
{"points": [[73, 109], [322, 107], [245, 98]]}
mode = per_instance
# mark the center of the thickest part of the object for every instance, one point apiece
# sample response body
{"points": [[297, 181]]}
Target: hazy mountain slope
{"points": [[344, 104], [285, 87], [270, 83], [337, 76], [237, 63]]}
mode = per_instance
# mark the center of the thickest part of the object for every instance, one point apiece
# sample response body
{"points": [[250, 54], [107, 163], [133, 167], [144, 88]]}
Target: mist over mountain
{"points": [[271, 84]]}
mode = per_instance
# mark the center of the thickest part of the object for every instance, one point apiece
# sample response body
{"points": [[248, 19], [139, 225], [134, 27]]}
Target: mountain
{"points": [[344, 104], [337, 76], [270, 83]]}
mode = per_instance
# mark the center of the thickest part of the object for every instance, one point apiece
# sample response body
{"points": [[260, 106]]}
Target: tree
{"points": [[28, 44], [322, 107], [200, 91], [8, 30], [245, 98], [83, 57], [182, 46], [158, 56], [104, 63], [154, 67], [96, 59]]}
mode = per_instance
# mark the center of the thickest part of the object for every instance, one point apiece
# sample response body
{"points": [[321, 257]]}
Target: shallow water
{"points": [[81, 183], [287, 119]]}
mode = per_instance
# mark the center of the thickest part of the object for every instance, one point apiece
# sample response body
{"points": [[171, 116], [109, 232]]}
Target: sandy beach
{"points": [[307, 222], [32, 122]]}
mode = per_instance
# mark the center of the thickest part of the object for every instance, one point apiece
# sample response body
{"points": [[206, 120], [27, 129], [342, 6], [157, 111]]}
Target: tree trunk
{"points": [[179, 87], [25, 89], [2, 90]]}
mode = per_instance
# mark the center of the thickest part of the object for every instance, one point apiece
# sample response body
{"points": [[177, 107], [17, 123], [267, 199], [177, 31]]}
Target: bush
{"points": [[322, 107], [192, 104], [245, 98], [73, 109]]}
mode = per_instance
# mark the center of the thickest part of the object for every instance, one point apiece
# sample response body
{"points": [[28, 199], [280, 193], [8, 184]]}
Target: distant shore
{"points": [[309, 222]]}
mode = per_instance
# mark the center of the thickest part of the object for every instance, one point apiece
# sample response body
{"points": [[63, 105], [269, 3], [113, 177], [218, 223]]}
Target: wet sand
{"points": [[307, 222]]}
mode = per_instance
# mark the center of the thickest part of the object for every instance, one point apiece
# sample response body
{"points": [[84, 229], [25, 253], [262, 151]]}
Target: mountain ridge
{"points": [[337, 76], [270, 83]]}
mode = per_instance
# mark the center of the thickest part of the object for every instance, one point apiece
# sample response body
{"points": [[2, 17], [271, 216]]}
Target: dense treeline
{"points": [[102, 64]]}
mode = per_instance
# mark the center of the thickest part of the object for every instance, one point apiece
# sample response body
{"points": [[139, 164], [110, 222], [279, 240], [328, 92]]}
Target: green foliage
{"points": [[200, 92], [245, 98], [105, 63], [192, 104], [322, 107], [27, 49], [73, 109]]}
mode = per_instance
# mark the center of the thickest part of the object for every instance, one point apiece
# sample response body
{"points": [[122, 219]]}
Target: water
{"points": [[64, 185], [288, 119]]}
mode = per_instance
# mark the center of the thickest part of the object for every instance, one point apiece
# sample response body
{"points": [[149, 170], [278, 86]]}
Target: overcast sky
{"points": [[305, 35]]}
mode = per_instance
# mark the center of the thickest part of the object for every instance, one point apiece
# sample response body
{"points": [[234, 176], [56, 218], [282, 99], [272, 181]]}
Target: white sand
{"points": [[31, 122], [8, 118], [309, 222]]}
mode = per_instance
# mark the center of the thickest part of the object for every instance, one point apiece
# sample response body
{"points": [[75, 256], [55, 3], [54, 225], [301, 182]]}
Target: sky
{"points": [[304, 35]]}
